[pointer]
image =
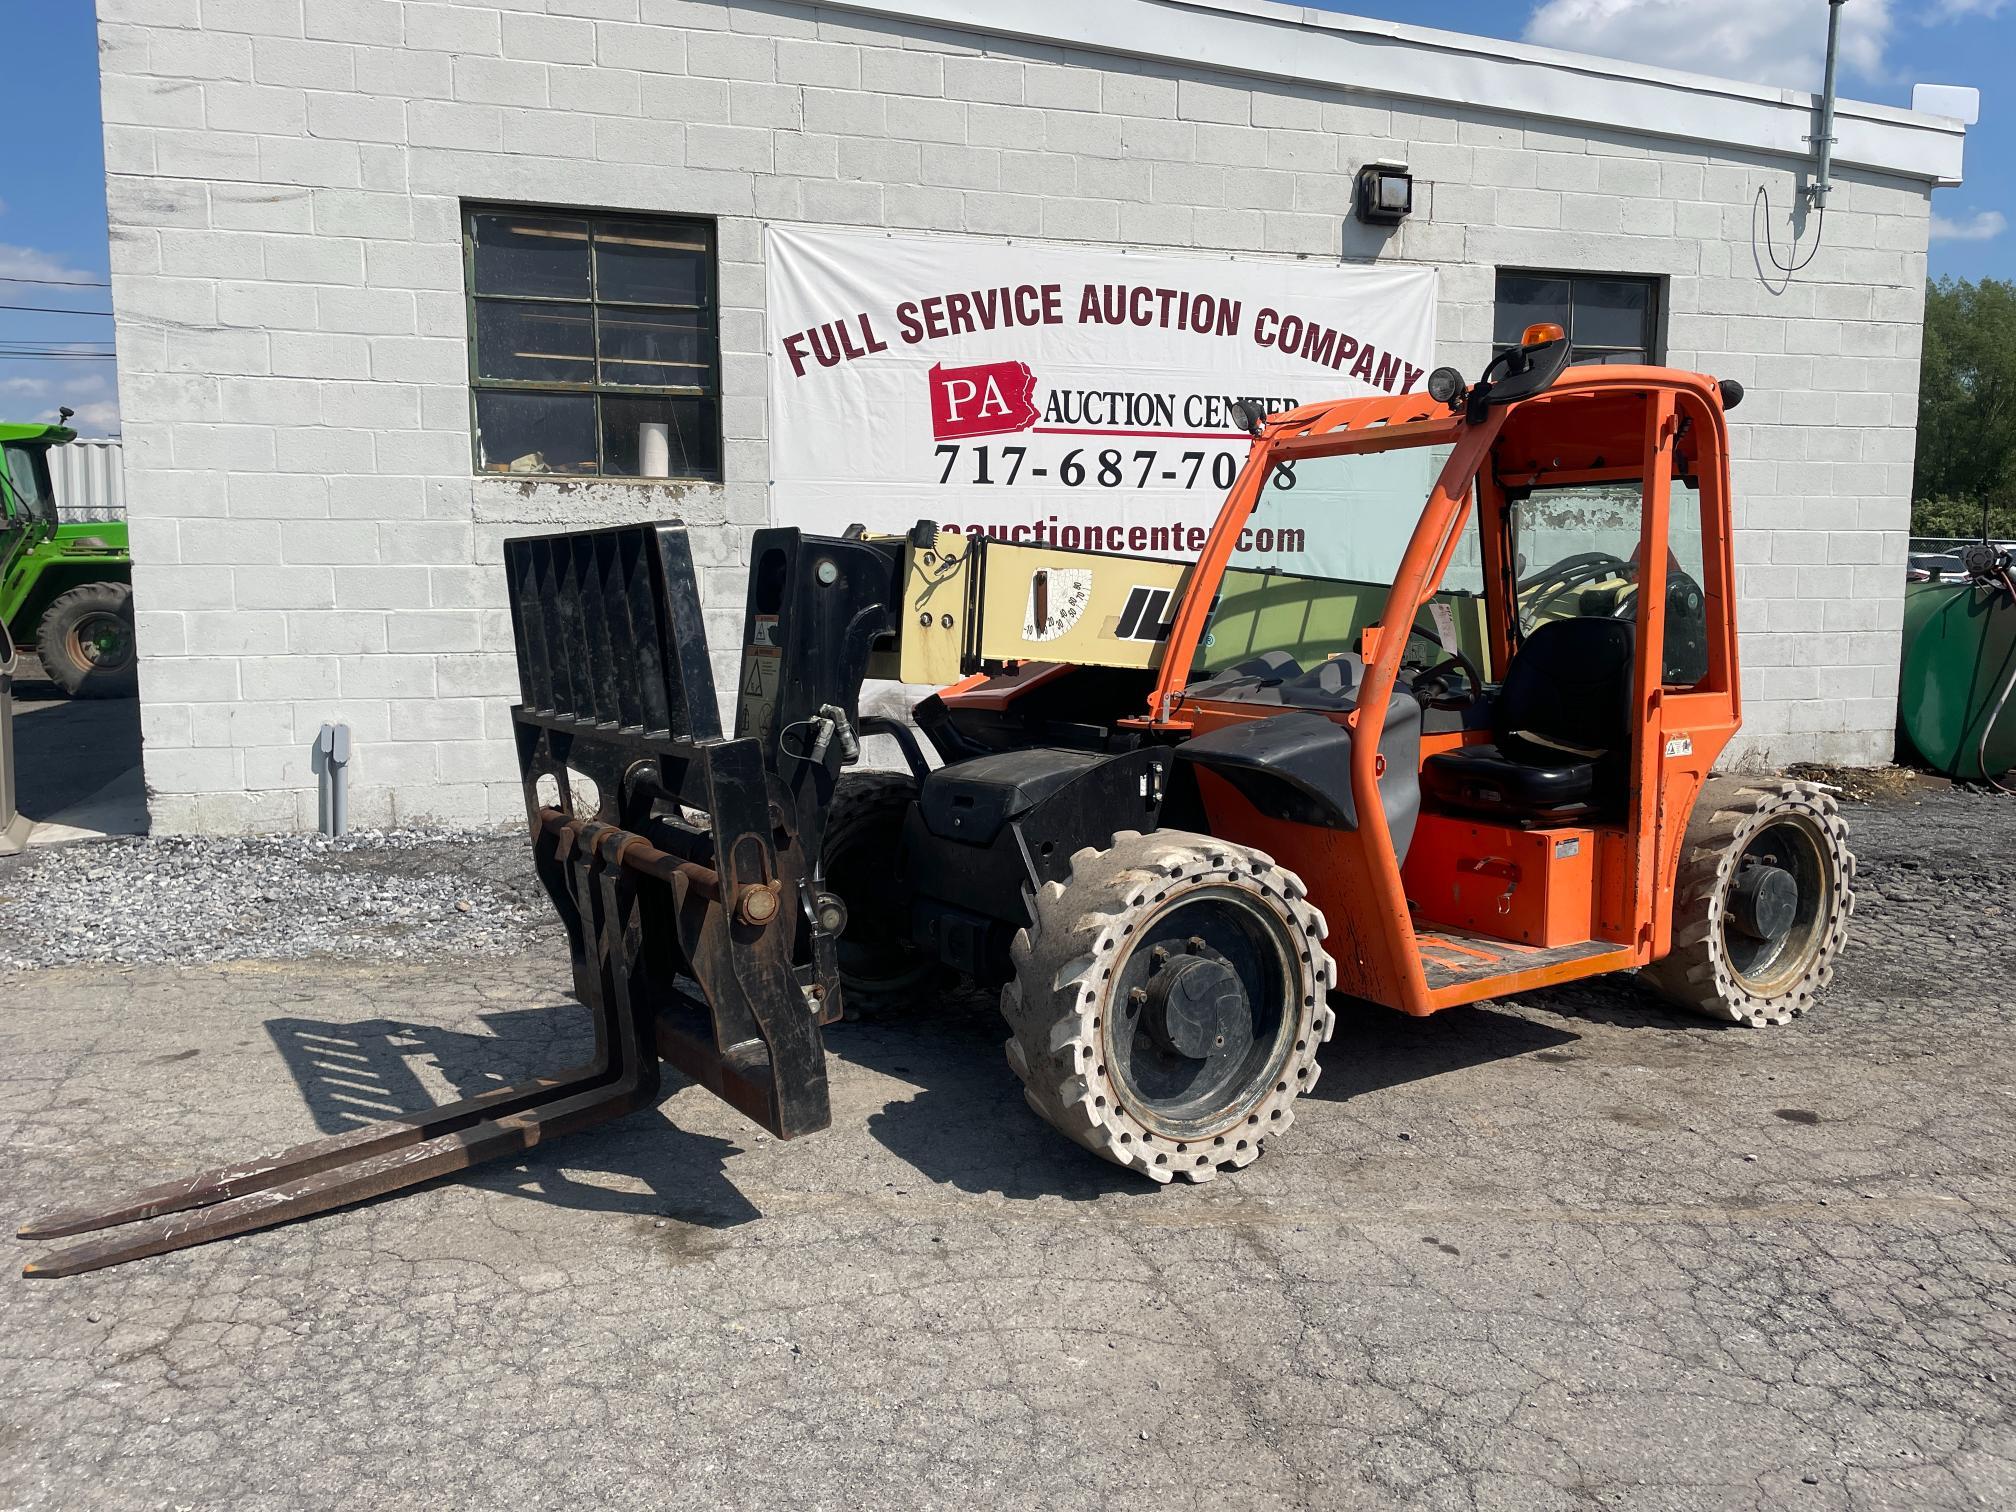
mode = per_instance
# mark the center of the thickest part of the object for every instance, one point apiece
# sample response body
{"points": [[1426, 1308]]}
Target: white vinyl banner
{"points": [[1064, 394]]}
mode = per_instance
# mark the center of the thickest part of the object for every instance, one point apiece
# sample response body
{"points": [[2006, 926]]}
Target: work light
{"points": [[1385, 194]]}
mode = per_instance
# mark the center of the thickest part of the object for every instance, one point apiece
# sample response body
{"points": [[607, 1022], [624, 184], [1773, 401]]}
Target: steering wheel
{"points": [[1543, 589], [1451, 695]]}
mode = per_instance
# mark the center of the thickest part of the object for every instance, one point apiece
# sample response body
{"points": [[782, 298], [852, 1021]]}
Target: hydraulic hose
{"points": [[2001, 702]]}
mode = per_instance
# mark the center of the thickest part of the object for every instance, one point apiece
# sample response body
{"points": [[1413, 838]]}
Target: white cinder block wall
{"points": [[285, 178]]}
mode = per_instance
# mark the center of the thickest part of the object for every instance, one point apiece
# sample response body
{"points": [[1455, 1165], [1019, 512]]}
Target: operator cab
{"points": [[1524, 700], [1510, 749]]}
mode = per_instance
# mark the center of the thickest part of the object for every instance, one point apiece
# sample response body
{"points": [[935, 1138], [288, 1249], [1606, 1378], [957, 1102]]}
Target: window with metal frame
{"points": [[1608, 317], [594, 344]]}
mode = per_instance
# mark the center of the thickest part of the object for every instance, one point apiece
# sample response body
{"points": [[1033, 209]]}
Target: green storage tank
{"points": [[1954, 695]]}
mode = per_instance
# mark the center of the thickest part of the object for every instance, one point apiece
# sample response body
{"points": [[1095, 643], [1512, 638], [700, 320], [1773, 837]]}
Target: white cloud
{"points": [[28, 262], [1982, 225], [99, 419], [1770, 41], [85, 386], [33, 390]]}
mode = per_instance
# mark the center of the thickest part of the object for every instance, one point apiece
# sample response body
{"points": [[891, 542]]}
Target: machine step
{"points": [[1462, 965]]}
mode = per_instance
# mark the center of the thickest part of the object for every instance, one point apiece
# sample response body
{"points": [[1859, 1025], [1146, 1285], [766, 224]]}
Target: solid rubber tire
{"points": [[1695, 974], [1057, 1001]]}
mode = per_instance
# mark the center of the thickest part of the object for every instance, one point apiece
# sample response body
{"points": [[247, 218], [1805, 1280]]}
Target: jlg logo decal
{"points": [[1141, 618]]}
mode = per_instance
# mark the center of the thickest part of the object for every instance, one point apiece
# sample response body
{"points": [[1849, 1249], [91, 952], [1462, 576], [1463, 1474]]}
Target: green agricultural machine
{"points": [[65, 590], [1956, 695]]}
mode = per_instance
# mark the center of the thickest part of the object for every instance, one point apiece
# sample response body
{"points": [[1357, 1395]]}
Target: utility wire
{"points": [[54, 310], [67, 283]]}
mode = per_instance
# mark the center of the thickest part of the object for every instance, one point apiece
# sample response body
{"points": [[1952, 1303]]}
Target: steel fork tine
{"points": [[221, 1183], [357, 1181]]}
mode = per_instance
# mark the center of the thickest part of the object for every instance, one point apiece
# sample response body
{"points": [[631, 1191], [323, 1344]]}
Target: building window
{"points": [[594, 344], [1609, 319]]}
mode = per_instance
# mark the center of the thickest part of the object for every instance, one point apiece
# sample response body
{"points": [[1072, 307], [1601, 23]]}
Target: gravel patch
{"points": [[1936, 875], [393, 894]]}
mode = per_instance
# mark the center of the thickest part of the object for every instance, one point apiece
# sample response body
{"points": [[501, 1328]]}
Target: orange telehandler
{"points": [[1415, 753]]}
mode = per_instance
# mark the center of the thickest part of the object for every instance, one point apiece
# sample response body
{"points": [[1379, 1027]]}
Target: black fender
{"points": [[984, 833], [1297, 766]]}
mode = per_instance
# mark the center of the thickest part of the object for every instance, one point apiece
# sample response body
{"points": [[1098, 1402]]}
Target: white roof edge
{"points": [[1336, 51]]}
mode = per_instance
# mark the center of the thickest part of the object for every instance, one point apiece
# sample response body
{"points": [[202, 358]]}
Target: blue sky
{"points": [[52, 196], [52, 215], [1888, 45]]}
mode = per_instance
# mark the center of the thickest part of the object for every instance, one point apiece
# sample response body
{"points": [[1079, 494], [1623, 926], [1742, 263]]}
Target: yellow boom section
{"points": [[971, 600]]}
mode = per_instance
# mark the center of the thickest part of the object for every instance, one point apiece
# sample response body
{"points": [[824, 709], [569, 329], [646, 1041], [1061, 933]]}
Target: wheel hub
{"points": [[100, 641], [1779, 904], [1196, 1007], [1202, 1012], [1763, 901]]}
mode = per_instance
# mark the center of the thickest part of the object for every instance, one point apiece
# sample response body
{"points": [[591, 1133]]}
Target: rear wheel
{"points": [[85, 642], [1168, 1001], [1761, 905], [880, 970]]}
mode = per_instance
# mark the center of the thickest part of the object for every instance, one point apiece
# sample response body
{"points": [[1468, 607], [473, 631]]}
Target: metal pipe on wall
{"points": [[1822, 182]]}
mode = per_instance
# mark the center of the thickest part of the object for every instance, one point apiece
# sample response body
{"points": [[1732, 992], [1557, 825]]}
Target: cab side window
{"points": [[1686, 607], [27, 484]]}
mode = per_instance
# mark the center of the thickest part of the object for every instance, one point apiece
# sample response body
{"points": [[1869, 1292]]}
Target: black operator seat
{"points": [[1561, 729]]}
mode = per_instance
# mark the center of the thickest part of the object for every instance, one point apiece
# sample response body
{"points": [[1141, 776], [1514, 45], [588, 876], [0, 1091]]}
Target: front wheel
{"points": [[881, 969], [85, 642], [1168, 1001]]}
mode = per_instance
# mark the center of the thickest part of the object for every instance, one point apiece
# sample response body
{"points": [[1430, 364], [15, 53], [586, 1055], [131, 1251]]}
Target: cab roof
{"points": [[1607, 422], [56, 434]]}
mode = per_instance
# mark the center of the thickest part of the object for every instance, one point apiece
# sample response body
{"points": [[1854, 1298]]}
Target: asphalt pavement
{"points": [[1565, 1251], [76, 761]]}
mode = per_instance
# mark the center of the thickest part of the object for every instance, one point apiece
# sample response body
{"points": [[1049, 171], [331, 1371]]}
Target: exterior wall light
{"points": [[1385, 194]]}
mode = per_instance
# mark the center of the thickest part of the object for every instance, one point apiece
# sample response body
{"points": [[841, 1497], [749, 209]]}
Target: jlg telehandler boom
{"points": [[1420, 754]]}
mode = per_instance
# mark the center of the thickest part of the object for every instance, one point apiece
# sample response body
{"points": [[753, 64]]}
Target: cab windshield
{"points": [[1318, 557], [29, 496]]}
